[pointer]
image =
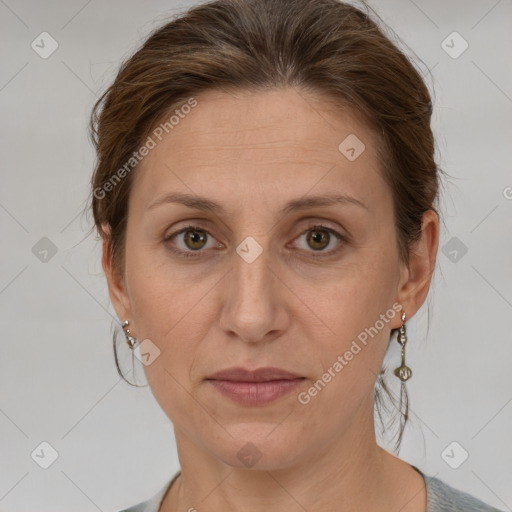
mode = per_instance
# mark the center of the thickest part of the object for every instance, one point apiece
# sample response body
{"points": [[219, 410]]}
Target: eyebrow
{"points": [[302, 203]]}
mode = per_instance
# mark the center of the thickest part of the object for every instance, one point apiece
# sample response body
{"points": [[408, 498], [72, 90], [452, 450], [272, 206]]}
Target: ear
{"points": [[116, 284], [416, 277]]}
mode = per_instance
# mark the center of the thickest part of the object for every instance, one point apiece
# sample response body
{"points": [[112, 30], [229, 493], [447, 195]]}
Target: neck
{"points": [[348, 473]]}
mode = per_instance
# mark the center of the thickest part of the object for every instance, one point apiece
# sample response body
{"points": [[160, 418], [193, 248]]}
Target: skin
{"points": [[252, 152]]}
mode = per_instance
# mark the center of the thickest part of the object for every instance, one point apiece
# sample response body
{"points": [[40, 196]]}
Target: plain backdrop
{"points": [[114, 445]]}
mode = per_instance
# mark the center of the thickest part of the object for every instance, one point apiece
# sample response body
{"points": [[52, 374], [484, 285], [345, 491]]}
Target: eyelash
{"points": [[197, 254]]}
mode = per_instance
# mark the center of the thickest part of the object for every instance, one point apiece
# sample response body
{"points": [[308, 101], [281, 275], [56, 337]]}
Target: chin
{"points": [[260, 446]]}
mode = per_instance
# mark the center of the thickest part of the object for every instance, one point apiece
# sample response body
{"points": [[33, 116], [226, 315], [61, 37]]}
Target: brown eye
{"points": [[318, 239], [189, 242], [194, 239]]}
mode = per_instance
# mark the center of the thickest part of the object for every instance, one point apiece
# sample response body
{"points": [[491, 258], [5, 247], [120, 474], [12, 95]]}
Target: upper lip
{"points": [[264, 374]]}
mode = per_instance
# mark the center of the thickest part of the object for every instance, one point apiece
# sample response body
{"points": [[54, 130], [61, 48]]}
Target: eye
{"points": [[319, 237], [194, 239]]}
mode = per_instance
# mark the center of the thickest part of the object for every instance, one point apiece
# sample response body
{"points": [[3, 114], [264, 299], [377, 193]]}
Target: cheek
{"points": [[171, 316], [357, 294], [356, 312], [171, 309], [158, 293]]}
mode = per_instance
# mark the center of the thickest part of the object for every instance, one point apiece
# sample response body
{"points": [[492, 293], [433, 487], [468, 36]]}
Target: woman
{"points": [[266, 194]]}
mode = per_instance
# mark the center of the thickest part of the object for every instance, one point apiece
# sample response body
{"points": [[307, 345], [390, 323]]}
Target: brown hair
{"points": [[324, 47]]}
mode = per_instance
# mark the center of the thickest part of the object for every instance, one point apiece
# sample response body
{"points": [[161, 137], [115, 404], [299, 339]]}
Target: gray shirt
{"points": [[440, 498]]}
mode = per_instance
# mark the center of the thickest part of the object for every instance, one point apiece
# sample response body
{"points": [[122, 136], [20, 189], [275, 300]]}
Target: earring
{"points": [[403, 372], [129, 338]]}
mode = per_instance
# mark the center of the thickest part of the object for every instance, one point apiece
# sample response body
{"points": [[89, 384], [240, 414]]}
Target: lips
{"points": [[265, 374], [255, 387]]}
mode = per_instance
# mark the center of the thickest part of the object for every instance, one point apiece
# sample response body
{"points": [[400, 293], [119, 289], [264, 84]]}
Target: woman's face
{"points": [[253, 284]]}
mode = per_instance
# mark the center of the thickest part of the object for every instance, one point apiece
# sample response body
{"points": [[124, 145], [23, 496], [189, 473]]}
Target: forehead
{"points": [[282, 140]]}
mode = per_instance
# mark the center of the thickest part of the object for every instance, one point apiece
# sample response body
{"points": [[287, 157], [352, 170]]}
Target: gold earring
{"points": [[403, 372]]}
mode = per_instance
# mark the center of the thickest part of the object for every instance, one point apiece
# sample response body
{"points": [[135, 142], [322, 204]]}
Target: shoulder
{"points": [[153, 503], [443, 498], [440, 498]]}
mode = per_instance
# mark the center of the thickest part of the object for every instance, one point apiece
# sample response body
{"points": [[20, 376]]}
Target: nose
{"points": [[253, 308]]}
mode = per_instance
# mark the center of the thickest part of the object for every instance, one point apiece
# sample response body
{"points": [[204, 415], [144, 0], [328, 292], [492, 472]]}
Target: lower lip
{"points": [[256, 393]]}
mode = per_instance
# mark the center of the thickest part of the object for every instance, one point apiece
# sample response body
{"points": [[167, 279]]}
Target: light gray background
{"points": [[57, 373]]}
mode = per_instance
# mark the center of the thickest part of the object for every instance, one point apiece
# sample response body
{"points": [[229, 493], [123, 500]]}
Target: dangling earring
{"points": [[129, 338], [403, 372]]}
